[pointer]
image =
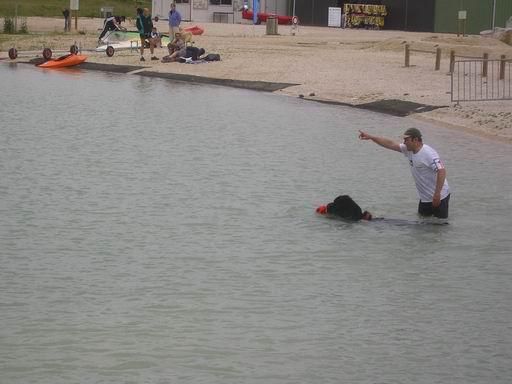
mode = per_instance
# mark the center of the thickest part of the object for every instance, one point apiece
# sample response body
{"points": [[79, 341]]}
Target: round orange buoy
{"points": [[13, 53], [322, 209], [47, 53], [73, 49], [110, 51]]}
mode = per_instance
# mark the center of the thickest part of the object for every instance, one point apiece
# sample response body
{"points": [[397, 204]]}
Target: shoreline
{"points": [[357, 68], [381, 106]]}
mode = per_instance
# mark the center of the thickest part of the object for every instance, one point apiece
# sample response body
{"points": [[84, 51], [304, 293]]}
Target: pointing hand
{"points": [[364, 135]]}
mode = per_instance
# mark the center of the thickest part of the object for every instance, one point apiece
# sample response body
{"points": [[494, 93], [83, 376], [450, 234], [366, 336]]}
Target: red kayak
{"points": [[247, 14], [64, 61], [195, 30]]}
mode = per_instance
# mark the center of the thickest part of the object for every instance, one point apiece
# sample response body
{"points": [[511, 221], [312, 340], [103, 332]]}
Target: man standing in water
{"points": [[426, 168]]}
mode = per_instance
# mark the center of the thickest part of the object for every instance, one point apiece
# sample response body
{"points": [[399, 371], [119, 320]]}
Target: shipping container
{"points": [[410, 15], [418, 15], [480, 15]]}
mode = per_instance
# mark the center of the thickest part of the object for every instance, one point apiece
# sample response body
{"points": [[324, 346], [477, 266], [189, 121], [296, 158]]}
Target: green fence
{"points": [[479, 14]]}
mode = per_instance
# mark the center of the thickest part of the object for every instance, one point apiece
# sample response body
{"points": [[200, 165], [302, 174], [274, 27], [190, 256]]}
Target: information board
{"points": [[334, 19]]}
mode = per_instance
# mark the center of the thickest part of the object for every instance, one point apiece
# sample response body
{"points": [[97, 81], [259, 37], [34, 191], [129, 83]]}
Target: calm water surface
{"points": [[157, 232]]}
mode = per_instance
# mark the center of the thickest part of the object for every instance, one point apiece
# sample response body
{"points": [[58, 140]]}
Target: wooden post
{"points": [[438, 58], [452, 60], [502, 67], [16, 18], [407, 55], [76, 20], [485, 65]]}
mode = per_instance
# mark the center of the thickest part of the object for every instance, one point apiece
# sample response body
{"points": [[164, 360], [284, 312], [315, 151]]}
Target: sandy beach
{"points": [[327, 64]]}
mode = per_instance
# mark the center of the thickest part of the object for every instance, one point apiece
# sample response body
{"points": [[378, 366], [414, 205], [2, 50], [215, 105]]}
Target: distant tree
{"points": [[23, 28], [9, 25]]}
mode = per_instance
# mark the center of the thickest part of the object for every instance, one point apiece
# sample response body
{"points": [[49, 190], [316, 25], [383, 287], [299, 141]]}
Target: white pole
{"points": [[493, 14], [293, 8]]}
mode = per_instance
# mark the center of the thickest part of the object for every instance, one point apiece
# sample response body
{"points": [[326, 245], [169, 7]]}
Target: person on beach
{"points": [[112, 23], [427, 170], [177, 48], [174, 21], [144, 27], [67, 20], [155, 36], [194, 53], [344, 207]]}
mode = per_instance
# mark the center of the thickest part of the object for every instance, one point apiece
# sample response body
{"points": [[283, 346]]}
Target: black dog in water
{"points": [[346, 208]]}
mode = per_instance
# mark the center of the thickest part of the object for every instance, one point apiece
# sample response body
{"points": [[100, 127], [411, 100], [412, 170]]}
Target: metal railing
{"points": [[481, 80]]}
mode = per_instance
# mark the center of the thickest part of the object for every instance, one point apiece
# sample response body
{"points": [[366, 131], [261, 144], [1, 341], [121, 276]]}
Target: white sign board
{"points": [[334, 19], [462, 15], [73, 5]]}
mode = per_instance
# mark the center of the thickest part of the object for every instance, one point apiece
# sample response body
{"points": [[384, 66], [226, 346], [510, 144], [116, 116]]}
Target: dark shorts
{"points": [[426, 209], [145, 35]]}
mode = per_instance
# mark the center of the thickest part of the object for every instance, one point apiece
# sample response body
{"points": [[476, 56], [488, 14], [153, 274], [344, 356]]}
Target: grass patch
{"points": [[53, 8]]}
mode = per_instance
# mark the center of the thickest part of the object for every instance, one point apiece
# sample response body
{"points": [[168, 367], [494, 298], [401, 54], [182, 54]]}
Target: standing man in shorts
{"points": [[427, 170], [145, 27]]}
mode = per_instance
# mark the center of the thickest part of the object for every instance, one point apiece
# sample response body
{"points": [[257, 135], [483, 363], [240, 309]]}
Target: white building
{"points": [[226, 11]]}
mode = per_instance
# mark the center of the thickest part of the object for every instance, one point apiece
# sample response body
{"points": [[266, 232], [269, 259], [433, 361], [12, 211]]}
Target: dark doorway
{"points": [[410, 15], [314, 12]]}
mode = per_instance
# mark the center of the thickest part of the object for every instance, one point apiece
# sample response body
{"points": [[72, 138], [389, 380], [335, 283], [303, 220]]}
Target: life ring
{"points": [[295, 20], [110, 51], [47, 53], [73, 49], [13, 53]]}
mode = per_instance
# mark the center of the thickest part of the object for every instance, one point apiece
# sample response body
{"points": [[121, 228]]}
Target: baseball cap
{"points": [[412, 132]]}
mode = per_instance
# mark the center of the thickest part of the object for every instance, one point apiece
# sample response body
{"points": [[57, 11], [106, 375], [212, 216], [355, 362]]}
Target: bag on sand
{"points": [[212, 57]]}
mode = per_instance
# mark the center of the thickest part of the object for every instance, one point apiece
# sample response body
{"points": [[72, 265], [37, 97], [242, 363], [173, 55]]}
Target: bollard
{"points": [[452, 61], [407, 55], [502, 67], [438, 59], [271, 25], [485, 65]]}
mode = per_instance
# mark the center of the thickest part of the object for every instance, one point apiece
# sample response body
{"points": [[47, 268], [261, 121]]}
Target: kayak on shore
{"points": [[68, 60]]}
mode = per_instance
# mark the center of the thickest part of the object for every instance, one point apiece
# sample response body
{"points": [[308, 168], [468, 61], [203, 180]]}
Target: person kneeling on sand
{"points": [[177, 49]]}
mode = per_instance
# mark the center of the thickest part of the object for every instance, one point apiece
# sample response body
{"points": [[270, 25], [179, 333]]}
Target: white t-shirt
{"points": [[424, 167]]}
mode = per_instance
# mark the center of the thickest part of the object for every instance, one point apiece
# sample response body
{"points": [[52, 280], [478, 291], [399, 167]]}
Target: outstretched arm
{"points": [[382, 141]]}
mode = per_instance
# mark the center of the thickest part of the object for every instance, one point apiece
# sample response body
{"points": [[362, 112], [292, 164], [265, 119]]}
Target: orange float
{"points": [[195, 30]]}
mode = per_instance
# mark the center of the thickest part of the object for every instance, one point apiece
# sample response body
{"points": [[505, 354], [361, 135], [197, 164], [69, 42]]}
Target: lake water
{"points": [[162, 232]]}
